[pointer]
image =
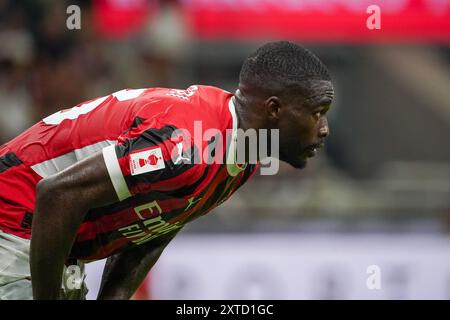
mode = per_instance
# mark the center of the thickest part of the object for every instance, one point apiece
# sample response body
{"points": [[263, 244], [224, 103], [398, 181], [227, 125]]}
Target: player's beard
{"points": [[298, 160]]}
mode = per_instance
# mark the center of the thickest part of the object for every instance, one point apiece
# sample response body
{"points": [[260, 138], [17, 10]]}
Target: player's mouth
{"points": [[311, 150]]}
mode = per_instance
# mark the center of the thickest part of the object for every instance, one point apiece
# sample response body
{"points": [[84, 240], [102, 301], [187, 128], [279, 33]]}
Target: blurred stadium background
{"points": [[378, 195]]}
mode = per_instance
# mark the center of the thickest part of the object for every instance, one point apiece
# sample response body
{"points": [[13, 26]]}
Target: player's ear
{"points": [[273, 107]]}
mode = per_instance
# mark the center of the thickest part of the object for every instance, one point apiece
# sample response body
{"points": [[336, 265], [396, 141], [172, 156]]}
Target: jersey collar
{"points": [[232, 167]]}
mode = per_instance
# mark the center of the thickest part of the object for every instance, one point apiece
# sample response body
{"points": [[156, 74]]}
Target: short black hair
{"points": [[281, 67]]}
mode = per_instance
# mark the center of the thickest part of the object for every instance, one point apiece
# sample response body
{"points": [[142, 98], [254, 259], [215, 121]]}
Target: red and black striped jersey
{"points": [[166, 153]]}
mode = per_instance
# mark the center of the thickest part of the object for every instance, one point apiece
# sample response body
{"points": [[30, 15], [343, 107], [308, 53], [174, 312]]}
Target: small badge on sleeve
{"points": [[146, 161]]}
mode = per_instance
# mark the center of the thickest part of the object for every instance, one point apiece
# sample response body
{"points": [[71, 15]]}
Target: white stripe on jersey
{"points": [[55, 165]]}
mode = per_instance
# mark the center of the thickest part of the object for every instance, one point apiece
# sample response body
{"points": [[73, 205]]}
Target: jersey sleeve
{"points": [[151, 157]]}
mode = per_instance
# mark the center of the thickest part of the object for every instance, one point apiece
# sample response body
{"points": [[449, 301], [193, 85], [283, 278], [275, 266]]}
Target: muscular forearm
{"points": [[55, 224], [124, 272], [123, 276]]}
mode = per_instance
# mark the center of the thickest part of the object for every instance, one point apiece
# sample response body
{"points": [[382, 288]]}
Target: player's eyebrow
{"points": [[323, 101], [320, 97]]}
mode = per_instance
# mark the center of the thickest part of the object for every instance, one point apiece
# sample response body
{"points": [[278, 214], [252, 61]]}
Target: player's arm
{"points": [[125, 271], [62, 200]]}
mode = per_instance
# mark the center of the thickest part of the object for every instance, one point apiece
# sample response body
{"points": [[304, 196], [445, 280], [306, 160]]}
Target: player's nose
{"points": [[324, 130]]}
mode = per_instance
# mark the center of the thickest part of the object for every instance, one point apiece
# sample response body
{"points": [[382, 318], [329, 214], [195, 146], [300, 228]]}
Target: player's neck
{"points": [[243, 116]]}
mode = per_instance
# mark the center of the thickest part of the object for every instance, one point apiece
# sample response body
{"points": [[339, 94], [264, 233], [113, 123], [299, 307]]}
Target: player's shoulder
{"points": [[211, 106], [207, 104], [194, 95]]}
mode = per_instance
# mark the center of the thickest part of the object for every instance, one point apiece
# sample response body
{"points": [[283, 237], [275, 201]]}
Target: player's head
{"points": [[284, 86]]}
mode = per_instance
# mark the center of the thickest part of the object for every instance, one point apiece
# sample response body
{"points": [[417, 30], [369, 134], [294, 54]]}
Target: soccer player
{"points": [[114, 177]]}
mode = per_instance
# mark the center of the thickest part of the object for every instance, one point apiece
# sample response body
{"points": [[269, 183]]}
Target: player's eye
{"points": [[317, 115]]}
